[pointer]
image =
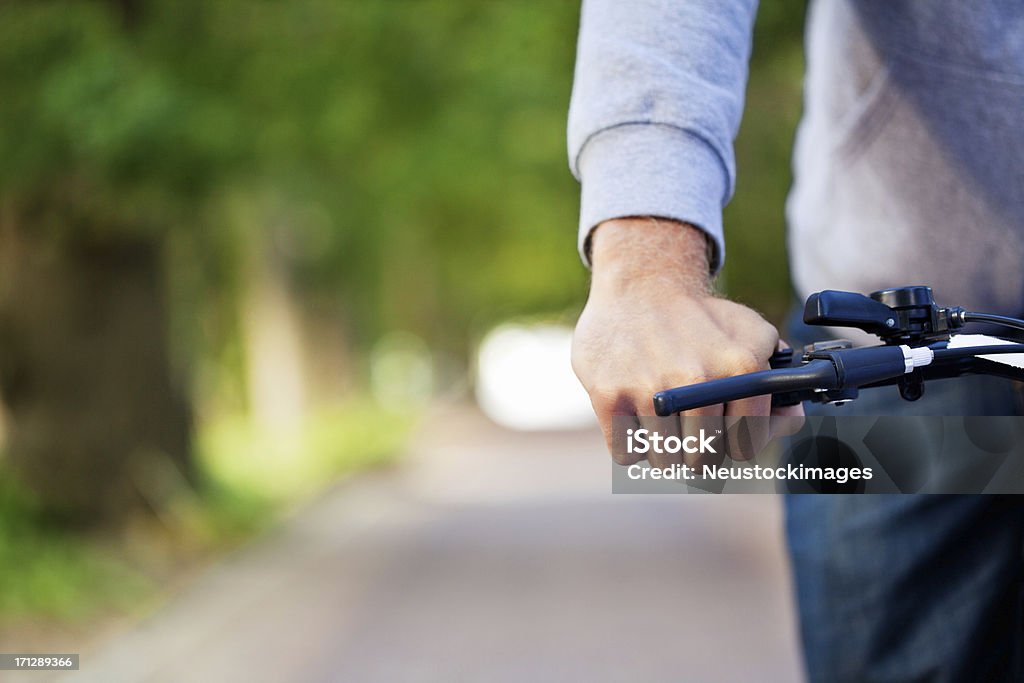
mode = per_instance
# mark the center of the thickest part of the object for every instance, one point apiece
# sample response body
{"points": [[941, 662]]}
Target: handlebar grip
{"points": [[820, 374]]}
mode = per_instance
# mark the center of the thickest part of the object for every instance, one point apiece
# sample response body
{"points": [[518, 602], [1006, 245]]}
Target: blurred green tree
{"points": [[404, 160], [406, 157], [101, 156]]}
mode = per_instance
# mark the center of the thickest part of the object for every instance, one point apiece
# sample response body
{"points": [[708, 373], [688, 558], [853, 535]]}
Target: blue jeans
{"points": [[911, 587]]}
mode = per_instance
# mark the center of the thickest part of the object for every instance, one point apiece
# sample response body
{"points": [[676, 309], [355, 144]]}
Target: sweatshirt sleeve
{"points": [[656, 104]]}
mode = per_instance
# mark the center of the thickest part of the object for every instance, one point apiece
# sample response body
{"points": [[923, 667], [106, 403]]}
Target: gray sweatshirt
{"points": [[909, 160]]}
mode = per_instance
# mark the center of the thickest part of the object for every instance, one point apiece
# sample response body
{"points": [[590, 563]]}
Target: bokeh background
{"points": [[246, 246]]}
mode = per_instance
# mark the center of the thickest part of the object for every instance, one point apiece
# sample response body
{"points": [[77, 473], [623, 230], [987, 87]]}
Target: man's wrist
{"points": [[648, 251]]}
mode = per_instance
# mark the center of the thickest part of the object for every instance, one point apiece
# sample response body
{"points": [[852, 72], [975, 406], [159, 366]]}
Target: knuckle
{"points": [[624, 459], [770, 339], [608, 402], [699, 377], [739, 361], [581, 366], [691, 374]]}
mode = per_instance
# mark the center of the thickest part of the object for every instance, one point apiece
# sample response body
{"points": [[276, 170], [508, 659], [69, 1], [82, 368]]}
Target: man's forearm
{"points": [[649, 253]]}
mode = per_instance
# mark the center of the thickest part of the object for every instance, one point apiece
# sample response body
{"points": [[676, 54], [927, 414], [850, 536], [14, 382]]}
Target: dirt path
{"points": [[487, 555]]}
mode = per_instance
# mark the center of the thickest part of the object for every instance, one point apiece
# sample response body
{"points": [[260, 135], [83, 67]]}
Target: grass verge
{"points": [[53, 579]]}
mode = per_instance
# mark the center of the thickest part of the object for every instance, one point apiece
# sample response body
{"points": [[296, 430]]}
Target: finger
{"points": [[706, 411], [746, 407], [666, 427], [616, 415], [691, 425], [623, 427], [748, 430], [786, 420]]}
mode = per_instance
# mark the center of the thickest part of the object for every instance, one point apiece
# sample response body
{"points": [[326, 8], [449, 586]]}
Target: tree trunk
{"points": [[97, 427]]}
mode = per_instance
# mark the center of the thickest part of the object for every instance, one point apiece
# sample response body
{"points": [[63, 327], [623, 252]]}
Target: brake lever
{"points": [[914, 332], [835, 374]]}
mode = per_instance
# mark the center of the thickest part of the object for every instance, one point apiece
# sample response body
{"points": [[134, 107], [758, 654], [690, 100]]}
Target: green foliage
{"points": [[279, 465], [406, 157], [409, 155], [96, 137], [47, 571], [251, 473]]}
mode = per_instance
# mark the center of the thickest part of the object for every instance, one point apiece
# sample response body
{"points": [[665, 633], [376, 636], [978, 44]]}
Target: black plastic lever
{"points": [[817, 373], [848, 309], [824, 371]]}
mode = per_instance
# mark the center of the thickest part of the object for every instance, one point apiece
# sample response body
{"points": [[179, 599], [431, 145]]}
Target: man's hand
{"points": [[652, 322]]}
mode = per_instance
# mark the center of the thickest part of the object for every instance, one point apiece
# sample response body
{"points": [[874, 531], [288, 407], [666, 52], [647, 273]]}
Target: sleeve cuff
{"points": [[653, 170]]}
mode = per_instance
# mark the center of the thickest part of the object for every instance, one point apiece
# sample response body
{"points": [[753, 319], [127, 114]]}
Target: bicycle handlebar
{"points": [[837, 375], [836, 372], [823, 371], [816, 373]]}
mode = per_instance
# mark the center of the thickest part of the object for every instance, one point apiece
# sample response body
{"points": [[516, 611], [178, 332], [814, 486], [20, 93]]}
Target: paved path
{"points": [[486, 556]]}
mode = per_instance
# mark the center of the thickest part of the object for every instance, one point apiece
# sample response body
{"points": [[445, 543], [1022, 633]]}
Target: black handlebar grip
{"points": [[816, 374]]}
